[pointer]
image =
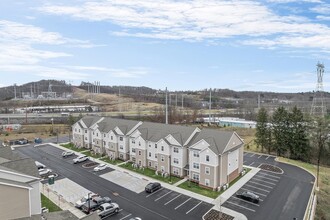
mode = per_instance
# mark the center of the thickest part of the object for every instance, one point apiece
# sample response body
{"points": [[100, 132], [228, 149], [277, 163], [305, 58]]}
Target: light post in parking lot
{"points": [[89, 202]]}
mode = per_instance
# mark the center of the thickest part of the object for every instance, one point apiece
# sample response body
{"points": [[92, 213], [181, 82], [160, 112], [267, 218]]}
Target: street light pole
{"points": [[89, 202]]}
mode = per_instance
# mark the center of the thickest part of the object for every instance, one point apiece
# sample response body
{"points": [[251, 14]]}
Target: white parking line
{"points": [[172, 199], [193, 208], [252, 210], [252, 155], [259, 156], [267, 158], [261, 184], [260, 194], [163, 196], [182, 204], [251, 164], [270, 175], [261, 180], [154, 192], [245, 201], [257, 188], [261, 176], [125, 216]]}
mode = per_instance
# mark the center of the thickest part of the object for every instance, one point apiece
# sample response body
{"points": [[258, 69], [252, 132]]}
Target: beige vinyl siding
{"points": [[15, 202]]}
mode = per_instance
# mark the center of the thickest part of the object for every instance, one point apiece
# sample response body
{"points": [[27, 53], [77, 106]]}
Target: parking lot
{"points": [[262, 184], [178, 203]]}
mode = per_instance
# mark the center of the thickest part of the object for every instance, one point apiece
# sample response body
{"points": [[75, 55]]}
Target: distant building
{"points": [[230, 122], [19, 186]]}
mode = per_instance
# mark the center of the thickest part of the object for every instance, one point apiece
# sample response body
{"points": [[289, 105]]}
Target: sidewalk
{"points": [[60, 201], [216, 202]]}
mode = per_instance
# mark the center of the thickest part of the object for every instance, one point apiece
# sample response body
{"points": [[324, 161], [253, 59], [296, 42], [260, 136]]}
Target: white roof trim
{"points": [[9, 184]]}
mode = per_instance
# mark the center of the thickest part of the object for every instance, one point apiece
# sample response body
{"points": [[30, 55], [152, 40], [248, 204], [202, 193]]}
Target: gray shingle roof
{"points": [[90, 120], [109, 124], [217, 140], [156, 131], [14, 162]]}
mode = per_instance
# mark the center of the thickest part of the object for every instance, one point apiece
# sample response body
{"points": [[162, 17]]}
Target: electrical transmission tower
{"points": [[318, 108]]}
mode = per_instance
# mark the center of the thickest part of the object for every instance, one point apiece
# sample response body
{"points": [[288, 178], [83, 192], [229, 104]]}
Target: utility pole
{"points": [[210, 103], [166, 109], [176, 100], [15, 90], [258, 101], [182, 101]]}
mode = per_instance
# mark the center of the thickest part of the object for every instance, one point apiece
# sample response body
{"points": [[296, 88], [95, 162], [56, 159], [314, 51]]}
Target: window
{"points": [[176, 150], [207, 158], [133, 141], [155, 146], [149, 154], [176, 160], [196, 165], [121, 138], [75, 129], [139, 143], [111, 137], [139, 152], [149, 145], [121, 156], [86, 138], [104, 143], [162, 148], [162, 168], [85, 131], [162, 158], [149, 164], [176, 171], [93, 133], [133, 150], [79, 130], [97, 142], [196, 154], [133, 159], [207, 182], [121, 147], [156, 156], [207, 170], [97, 134], [104, 135], [195, 176], [140, 163]]}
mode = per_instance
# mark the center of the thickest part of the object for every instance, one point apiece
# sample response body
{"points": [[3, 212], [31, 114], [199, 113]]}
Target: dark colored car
{"points": [[94, 204], [248, 196], [151, 187]]}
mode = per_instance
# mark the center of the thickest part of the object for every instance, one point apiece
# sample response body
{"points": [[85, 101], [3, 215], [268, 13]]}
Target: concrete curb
{"points": [[309, 209]]}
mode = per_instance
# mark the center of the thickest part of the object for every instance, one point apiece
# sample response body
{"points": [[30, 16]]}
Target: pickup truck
{"points": [[94, 204]]}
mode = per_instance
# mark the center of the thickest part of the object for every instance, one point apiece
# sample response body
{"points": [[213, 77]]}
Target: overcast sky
{"points": [[265, 45]]}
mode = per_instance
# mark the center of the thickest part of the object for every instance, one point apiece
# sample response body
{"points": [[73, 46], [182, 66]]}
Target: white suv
{"points": [[80, 159]]}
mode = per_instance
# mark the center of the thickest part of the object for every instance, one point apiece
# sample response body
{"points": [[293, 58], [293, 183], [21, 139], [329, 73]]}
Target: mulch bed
{"points": [[90, 164], [271, 168], [214, 215]]}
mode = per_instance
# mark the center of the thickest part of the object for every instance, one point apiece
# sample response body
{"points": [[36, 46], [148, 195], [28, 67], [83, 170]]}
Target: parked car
{"points": [[37, 140], [67, 153], [151, 187], [94, 204], [22, 141], [248, 196], [80, 159], [43, 172], [108, 209], [100, 167], [85, 199], [39, 165]]}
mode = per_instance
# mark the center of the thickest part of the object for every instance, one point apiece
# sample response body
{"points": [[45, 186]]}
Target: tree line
{"points": [[290, 133]]}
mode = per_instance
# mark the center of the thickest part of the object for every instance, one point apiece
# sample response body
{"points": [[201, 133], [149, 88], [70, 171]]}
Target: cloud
{"points": [[299, 1], [200, 20], [133, 72]]}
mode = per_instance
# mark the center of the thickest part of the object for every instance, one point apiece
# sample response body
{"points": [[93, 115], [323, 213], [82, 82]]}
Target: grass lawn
{"points": [[89, 154], [114, 162], [72, 147], [151, 173], [194, 187], [45, 202], [323, 195]]}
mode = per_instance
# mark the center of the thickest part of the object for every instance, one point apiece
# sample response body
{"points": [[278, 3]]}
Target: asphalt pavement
{"points": [[131, 203]]}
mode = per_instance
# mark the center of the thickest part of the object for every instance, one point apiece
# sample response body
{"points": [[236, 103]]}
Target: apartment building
{"points": [[210, 157], [19, 186]]}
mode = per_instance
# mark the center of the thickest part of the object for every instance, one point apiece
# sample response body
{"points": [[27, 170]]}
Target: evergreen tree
{"points": [[280, 131], [299, 147], [262, 130]]}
